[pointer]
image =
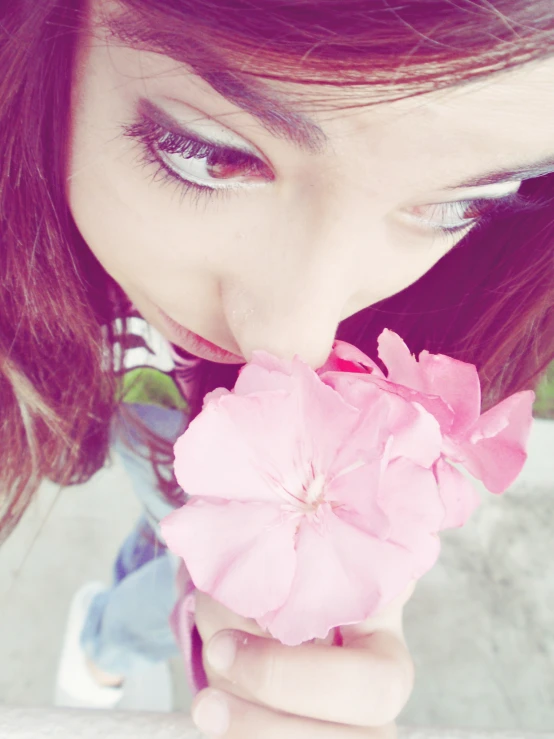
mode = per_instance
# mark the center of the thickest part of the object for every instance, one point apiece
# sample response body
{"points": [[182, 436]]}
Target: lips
{"points": [[195, 344]]}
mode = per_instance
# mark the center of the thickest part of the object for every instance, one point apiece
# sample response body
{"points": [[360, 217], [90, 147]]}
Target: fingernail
{"points": [[221, 652], [211, 714]]}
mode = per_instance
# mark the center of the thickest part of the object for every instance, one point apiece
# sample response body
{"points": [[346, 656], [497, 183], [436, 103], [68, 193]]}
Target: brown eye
{"points": [[214, 167], [225, 164]]}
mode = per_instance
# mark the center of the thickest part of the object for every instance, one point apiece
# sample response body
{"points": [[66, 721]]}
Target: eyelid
{"points": [[162, 144], [160, 116], [509, 200], [487, 192]]}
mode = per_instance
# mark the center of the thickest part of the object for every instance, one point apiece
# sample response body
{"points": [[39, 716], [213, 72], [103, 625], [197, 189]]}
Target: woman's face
{"points": [[253, 241]]}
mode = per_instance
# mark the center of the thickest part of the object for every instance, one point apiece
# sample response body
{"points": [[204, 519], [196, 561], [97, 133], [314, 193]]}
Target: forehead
{"points": [[518, 102]]}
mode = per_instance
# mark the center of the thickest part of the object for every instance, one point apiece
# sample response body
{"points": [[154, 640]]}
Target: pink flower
{"points": [[317, 497], [490, 446]]}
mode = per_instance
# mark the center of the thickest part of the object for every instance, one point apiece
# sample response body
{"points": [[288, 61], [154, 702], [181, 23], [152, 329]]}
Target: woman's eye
{"points": [[198, 163], [211, 166], [461, 215], [457, 217]]}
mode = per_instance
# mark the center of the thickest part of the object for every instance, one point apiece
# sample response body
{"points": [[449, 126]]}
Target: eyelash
{"points": [[155, 138], [488, 209]]}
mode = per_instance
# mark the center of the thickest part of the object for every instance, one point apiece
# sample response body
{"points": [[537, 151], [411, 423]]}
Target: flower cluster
{"points": [[317, 496]]}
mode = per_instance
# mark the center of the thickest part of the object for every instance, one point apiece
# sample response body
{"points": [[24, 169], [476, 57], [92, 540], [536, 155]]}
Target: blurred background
{"points": [[480, 625]]}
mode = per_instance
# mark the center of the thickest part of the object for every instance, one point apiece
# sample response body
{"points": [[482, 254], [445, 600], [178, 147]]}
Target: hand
{"points": [[265, 690]]}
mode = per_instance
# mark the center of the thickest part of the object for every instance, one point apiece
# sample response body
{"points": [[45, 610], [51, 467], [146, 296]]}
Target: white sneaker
{"points": [[75, 686], [148, 688]]}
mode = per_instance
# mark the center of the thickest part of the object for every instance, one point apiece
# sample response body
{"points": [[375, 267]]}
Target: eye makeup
{"points": [[208, 169]]}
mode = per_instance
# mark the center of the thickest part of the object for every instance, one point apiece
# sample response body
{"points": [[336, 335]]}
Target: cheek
{"points": [[150, 241], [115, 209], [409, 256]]}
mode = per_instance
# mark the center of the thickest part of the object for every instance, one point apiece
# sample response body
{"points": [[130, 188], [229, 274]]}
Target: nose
{"points": [[296, 295], [305, 325]]}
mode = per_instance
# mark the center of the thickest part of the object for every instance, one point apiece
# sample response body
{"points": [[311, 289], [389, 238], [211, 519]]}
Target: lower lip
{"points": [[196, 345]]}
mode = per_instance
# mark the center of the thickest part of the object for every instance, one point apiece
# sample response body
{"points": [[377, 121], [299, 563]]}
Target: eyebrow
{"points": [[269, 108], [527, 171]]}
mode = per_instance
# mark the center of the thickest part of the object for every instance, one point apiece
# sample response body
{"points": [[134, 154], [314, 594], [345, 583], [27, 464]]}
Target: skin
{"points": [[277, 265]]}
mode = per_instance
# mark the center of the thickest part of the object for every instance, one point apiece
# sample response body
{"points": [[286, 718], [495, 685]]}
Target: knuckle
{"points": [[390, 693], [396, 691], [260, 673], [270, 676]]}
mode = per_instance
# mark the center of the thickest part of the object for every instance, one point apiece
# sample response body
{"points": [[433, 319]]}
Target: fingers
{"points": [[211, 617], [388, 619], [366, 684], [218, 714]]}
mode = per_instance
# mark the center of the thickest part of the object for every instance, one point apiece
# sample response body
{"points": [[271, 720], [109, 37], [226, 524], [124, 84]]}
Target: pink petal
{"points": [[402, 367], [432, 403], [416, 433], [345, 357], [358, 390], [252, 454], [458, 495], [357, 491], [214, 395], [271, 363], [495, 452], [266, 444], [343, 576], [241, 554], [409, 497], [447, 388], [407, 409], [264, 372], [325, 422], [364, 443], [457, 383]]}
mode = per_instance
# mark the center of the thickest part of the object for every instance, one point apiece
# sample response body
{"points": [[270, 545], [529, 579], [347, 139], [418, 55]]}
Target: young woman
{"points": [[185, 181]]}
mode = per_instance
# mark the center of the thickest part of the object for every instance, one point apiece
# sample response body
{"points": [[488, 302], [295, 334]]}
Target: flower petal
{"points": [[327, 421], [241, 554], [365, 442], [416, 432], [214, 395], [357, 489], [495, 451], [457, 383], [410, 416], [436, 376], [402, 367], [358, 390], [432, 403], [264, 372], [342, 577], [457, 493], [249, 450], [409, 497], [345, 357]]}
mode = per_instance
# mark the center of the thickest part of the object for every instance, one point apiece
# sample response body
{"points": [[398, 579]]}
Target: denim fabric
{"points": [[127, 624]]}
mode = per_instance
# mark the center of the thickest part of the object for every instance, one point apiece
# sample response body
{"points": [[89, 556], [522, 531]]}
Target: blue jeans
{"points": [[127, 625]]}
